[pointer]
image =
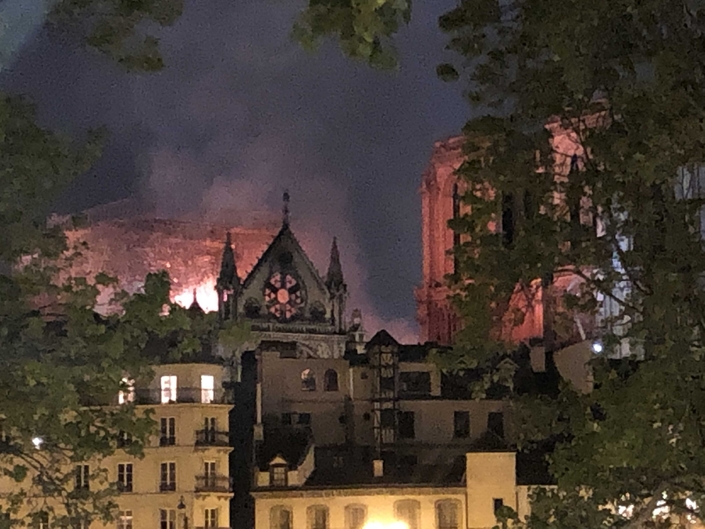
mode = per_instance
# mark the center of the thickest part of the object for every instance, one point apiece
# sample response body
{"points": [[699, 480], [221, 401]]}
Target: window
{"points": [[167, 435], [407, 511], [127, 394], [168, 387], [308, 380], [461, 424], [82, 473], [125, 477], [209, 473], [447, 514], [167, 477], [498, 503], [330, 380], [167, 518], [406, 425], [211, 518], [43, 520], [123, 439], [210, 427], [495, 424], [386, 418], [415, 383], [280, 517], [124, 520], [317, 517], [355, 516], [286, 419], [207, 389], [305, 418], [277, 475]]}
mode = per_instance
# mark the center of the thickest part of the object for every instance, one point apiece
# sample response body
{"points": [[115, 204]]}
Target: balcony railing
{"points": [[212, 438], [182, 395], [212, 483]]}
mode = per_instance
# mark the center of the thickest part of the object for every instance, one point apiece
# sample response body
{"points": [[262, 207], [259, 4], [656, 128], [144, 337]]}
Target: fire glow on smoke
{"points": [[205, 295]]}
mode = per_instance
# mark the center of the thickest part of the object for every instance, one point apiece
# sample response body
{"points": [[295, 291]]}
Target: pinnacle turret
{"points": [[228, 279], [334, 277]]}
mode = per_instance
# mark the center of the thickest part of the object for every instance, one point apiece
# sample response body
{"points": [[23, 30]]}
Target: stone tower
{"points": [[439, 203]]}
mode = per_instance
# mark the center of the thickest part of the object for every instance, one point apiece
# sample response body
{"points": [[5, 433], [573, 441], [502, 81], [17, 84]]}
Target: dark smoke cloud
{"points": [[241, 113]]}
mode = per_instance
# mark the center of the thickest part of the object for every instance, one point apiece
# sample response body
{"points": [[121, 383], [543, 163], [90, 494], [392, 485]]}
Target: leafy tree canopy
{"points": [[586, 162]]}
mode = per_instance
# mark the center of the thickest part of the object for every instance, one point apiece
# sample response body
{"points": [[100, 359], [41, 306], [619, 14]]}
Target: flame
{"points": [[205, 295]]}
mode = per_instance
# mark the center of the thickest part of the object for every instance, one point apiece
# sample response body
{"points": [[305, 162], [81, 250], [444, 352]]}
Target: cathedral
{"points": [[311, 424]]}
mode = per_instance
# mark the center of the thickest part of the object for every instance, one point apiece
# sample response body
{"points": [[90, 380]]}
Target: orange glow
{"points": [[205, 294]]}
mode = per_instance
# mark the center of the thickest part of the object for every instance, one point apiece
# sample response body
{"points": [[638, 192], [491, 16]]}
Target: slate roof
{"points": [[290, 443]]}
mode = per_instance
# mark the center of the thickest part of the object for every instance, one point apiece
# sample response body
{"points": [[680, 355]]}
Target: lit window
{"points": [[447, 514], [211, 518], [308, 380], [330, 380], [124, 520], [317, 517], [167, 518], [355, 516], [207, 389], [125, 477], [82, 474], [167, 477], [407, 511], [127, 394], [278, 475], [168, 386], [280, 518]]}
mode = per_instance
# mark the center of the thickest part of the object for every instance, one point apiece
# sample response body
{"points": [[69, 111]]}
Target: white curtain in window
{"points": [[168, 387], [128, 394], [207, 389]]}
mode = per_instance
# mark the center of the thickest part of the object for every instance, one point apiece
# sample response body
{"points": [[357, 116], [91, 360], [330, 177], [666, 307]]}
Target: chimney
{"points": [[378, 468]]}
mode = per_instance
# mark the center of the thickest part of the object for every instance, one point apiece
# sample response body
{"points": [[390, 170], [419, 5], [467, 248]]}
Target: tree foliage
{"points": [[363, 28], [121, 29], [618, 208]]}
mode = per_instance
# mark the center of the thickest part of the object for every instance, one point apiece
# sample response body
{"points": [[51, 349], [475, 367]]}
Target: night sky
{"points": [[241, 112]]}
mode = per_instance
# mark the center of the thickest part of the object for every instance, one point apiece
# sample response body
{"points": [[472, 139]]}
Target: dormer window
{"points": [[207, 389], [168, 389], [278, 472], [127, 394]]}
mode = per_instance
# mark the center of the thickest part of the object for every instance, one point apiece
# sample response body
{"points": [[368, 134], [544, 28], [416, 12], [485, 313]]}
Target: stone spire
{"points": [[228, 283], [337, 288], [334, 277], [195, 307], [227, 279], [285, 209]]}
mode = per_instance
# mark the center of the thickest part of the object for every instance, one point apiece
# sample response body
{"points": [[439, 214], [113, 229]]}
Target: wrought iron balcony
{"points": [[182, 396], [213, 483], [212, 438]]}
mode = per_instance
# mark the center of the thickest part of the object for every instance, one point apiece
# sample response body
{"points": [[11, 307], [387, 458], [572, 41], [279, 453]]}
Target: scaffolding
{"points": [[384, 364]]}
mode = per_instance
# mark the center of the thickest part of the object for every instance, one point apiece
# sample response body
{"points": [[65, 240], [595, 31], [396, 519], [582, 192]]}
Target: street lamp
{"points": [[182, 509]]}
